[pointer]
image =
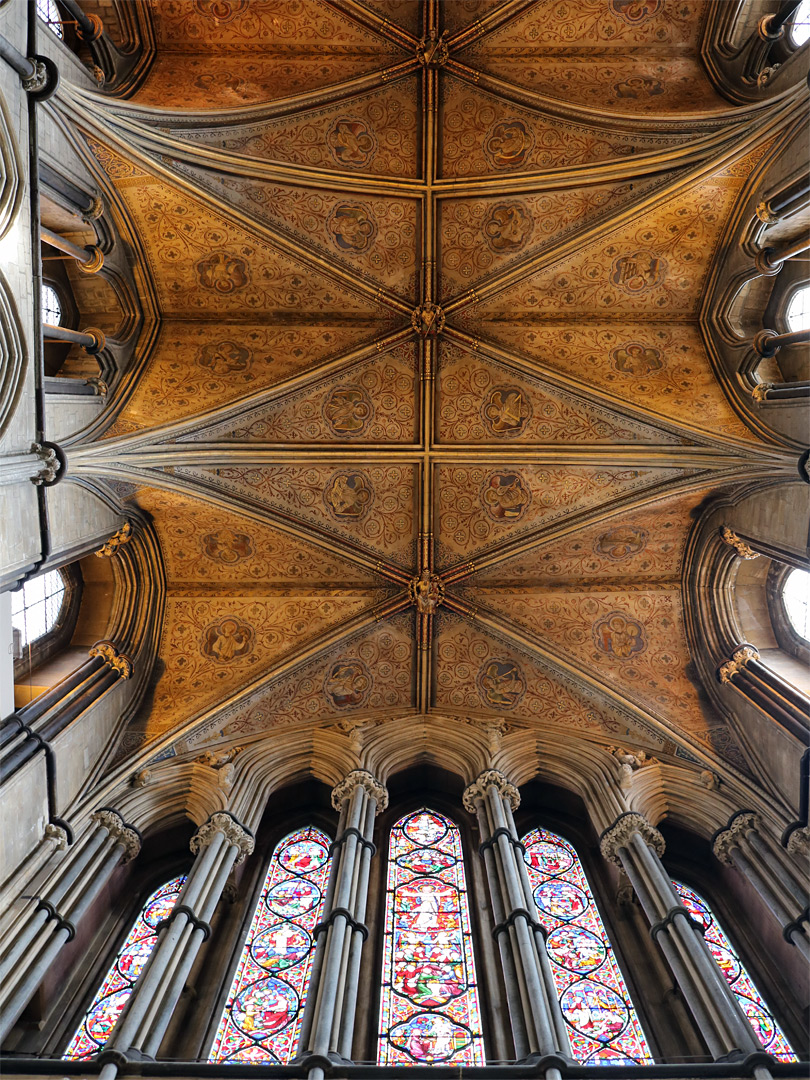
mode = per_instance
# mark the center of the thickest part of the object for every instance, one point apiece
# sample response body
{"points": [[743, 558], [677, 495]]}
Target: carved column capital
{"points": [[739, 659], [798, 842], [733, 833], [364, 779], [744, 550], [110, 655], [234, 833], [619, 834], [117, 540], [57, 835], [38, 79], [50, 464], [490, 778], [765, 214], [118, 829]]}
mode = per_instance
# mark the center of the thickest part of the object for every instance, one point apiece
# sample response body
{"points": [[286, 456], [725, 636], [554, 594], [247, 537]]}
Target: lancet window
{"points": [[429, 1010], [762, 1019], [36, 608], [112, 995], [602, 1022], [264, 1009]]}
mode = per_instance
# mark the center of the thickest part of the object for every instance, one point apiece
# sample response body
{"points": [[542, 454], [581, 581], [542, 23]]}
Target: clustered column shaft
{"points": [[218, 845], [328, 1024], [742, 845], [53, 919], [537, 1022], [635, 846]]}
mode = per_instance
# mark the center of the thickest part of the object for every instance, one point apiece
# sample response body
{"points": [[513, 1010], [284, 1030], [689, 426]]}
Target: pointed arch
{"points": [[262, 1018], [109, 1002], [602, 1023], [429, 1009], [742, 985]]}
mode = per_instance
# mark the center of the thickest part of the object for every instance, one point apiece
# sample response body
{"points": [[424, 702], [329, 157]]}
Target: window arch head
{"points": [[51, 306], [262, 1019], [796, 602], [49, 13], [429, 1009], [800, 24], [36, 607], [797, 315], [602, 1023]]}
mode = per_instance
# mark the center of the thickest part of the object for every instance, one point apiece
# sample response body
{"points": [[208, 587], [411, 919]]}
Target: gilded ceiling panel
{"points": [[485, 402], [372, 402], [461, 13], [479, 506], [371, 505]]}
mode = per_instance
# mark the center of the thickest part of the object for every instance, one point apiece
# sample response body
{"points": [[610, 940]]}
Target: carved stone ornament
{"points": [[799, 841], [95, 262], [364, 779], [38, 79], [98, 385], [57, 835], [428, 320], [760, 391], [765, 214], [233, 832], [117, 540], [142, 778], [629, 762], [426, 592], [50, 464], [622, 830], [490, 778], [96, 208], [432, 51], [110, 655], [744, 551], [730, 838], [739, 659], [710, 779], [119, 831], [766, 75]]}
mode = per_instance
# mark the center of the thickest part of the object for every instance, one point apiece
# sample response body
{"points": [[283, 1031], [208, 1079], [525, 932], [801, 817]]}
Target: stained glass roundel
{"points": [[762, 1021], [112, 995], [602, 1023], [429, 1012], [263, 1013]]}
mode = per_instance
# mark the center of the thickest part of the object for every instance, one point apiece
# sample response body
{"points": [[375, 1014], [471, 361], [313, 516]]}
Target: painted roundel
{"points": [[505, 496], [506, 411], [292, 898], [507, 227], [508, 143], [352, 227], [348, 411], [576, 949], [280, 946], [351, 142], [348, 495], [502, 683], [264, 1008], [560, 899], [620, 636]]}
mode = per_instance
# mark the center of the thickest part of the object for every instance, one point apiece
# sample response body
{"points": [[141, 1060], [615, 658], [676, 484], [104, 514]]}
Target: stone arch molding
{"points": [[11, 172], [13, 351]]}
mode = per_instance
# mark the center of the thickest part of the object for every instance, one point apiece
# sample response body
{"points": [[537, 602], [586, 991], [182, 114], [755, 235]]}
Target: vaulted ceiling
{"points": [[425, 415]]}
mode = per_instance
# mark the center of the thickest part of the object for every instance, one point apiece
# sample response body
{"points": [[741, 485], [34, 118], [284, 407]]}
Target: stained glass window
{"points": [[263, 1013], [798, 311], [112, 996], [429, 1011], [36, 607], [49, 13], [51, 306], [602, 1023], [762, 1020]]}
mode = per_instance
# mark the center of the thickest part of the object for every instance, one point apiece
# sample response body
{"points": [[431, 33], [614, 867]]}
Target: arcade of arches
{"points": [[404, 516]]}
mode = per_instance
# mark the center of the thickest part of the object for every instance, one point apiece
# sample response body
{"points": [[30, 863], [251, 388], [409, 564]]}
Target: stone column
{"points": [[537, 1022], [328, 1024], [218, 845], [53, 918], [741, 844], [636, 847]]}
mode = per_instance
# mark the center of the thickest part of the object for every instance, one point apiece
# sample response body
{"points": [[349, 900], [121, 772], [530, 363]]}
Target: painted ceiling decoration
{"points": [[426, 413]]}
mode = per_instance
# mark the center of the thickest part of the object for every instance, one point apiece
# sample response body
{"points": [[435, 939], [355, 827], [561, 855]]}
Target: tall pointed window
{"points": [[263, 1013], [602, 1023], [111, 998], [762, 1020], [429, 1011]]}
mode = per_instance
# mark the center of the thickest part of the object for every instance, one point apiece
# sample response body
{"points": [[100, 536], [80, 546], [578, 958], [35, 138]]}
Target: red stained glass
{"points": [[262, 1018], [112, 996], [761, 1018], [429, 1012], [602, 1023]]}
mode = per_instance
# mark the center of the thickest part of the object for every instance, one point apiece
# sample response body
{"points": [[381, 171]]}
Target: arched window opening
{"points": [[800, 24], [51, 306], [49, 13], [796, 601], [429, 1012], [602, 1022], [109, 1002], [798, 310], [36, 607], [262, 1018], [762, 1019]]}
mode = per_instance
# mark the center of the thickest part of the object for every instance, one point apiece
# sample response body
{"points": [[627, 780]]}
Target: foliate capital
{"points": [[117, 540], [490, 778], [739, 826], [743, 549], [739, 659], [798, 842], [129, 838], [38, 79], [619, 834], [364, 779], [230, 828], [110, 655], [765, 214], [57, 835], [50, 464]]}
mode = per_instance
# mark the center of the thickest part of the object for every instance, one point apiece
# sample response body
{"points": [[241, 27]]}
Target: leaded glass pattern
{"points": [[36, 608], [263, 1013], [742, 985], [429, 1011], [112, 996], [602, 1023]]}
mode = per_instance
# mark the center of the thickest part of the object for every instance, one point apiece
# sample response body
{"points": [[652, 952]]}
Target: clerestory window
{"points": [[798, 309], [800, 24], [49, 13], [36, 607]]}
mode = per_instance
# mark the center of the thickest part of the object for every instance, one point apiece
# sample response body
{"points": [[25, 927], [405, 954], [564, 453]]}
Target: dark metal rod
{"points": [[81, 254], [75, 337], [767, 343]]}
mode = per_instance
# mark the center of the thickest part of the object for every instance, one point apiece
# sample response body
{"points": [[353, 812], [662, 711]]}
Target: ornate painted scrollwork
{"points": [[360, 778], [619, 834], [490, 778]]}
